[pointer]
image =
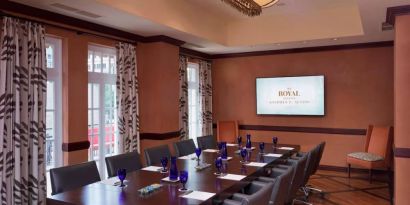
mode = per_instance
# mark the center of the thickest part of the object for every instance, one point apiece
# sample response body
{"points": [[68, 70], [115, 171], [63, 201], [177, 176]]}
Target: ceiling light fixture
{"points": [[251, 7]]}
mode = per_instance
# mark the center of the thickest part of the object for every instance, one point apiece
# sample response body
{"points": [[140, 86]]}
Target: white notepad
{"points": [[187, 157], [111, 181], [228, 158], [152, 168], [287, 148], [199, 195], [273, 155], [234, 177], [166, 179], [210, 150], [256, 164], [231, 145]]}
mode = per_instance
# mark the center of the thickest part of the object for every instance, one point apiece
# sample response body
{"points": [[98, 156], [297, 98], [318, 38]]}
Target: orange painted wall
{"points": [[402, 111], [158, 65], [359, 92]]}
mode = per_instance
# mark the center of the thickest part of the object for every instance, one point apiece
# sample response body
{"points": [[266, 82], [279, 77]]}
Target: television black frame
{"points": [[293, 115]]}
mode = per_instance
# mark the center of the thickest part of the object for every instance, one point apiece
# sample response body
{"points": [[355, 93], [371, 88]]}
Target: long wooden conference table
{"points": [[198, 180]]}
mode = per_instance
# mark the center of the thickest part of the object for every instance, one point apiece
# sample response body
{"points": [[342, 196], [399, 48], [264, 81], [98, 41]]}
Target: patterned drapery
{"points": [[205, 94], [127, 98], [23, 78], [183, 98]]}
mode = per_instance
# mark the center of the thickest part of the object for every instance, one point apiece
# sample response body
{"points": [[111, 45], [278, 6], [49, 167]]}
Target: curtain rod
{"points": [[78, 31]]}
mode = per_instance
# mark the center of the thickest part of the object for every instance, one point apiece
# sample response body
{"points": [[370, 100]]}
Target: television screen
{"points": [[304, 95]]}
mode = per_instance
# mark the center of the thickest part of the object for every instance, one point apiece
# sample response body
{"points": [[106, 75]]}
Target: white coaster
{"points": [[152, 168], [234, 177], [198, 195]]}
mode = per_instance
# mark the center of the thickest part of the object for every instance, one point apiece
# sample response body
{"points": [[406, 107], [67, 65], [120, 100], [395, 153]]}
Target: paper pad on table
{"points": [[287, 148], [235, 177], [231, 145], [210, 150], [111, 181], [199, 195], [272, 155], [256, 164], [187, 157], [166, 179], [152, 168]]}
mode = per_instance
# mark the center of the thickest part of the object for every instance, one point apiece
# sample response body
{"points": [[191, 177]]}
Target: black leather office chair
{"points": [[206, 142], [255, 193], [282, 180], [74, 176], [299, 165], [153, 155], [317, 157], [130, 161], [185, 147]]}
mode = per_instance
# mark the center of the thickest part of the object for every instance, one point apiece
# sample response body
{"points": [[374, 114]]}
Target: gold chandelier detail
{"points": [[251, 7]]}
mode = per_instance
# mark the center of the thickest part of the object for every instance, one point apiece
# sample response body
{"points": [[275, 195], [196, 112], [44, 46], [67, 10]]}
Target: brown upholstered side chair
{"points": [[377, 151], [227, 131]]}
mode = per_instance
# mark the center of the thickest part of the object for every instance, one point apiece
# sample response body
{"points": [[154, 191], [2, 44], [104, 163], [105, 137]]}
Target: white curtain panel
{"points": [[127, 98], [205, 94], [183, 98], [23, 78]]}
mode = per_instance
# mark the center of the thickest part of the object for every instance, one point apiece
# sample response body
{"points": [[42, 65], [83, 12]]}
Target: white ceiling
{"points": [[217, 33]]}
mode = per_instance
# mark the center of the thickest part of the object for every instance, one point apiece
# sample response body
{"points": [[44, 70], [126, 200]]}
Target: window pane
{"points": [[97, 62], [109, 96], [50, 95], [50, 55], [105, 64], [113, 65], [96, 120], [90, 95], [90, 61], [96, 95]]}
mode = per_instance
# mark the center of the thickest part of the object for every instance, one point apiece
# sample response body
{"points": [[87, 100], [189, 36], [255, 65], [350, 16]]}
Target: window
{"points": [[53, 105], [102, 110], [194, 115]]}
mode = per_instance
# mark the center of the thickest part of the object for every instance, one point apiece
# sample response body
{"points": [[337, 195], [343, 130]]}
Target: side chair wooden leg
{"points": [[370, 175], [348, 169]]}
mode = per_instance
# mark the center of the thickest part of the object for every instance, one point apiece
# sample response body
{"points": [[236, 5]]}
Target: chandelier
{"points": [[251, 7]]}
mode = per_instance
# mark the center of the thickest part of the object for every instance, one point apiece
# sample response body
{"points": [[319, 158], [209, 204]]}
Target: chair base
{"points": [[298, 201]]}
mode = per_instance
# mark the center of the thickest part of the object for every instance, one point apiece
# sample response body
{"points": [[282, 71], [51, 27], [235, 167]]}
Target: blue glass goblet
{"points": [[218, 165], [239, 141], [183, 177], [275, 141], [198, 152], [164, 163], [244, 153], [122, 173], [261, 146]]}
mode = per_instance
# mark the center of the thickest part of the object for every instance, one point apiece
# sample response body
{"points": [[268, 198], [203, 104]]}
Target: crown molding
{"points": [[392, 12], [162, 38]]}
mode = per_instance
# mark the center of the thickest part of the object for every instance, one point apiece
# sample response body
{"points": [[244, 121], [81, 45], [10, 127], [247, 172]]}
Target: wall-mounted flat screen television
{"points": [[303, 95]]}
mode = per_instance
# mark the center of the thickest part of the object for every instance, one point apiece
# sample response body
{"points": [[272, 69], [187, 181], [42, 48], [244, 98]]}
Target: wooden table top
{"points": [[203, 180]]}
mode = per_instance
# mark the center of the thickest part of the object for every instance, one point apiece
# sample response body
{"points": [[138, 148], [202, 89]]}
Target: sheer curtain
{"points": [[127, 98], [23, 78]]}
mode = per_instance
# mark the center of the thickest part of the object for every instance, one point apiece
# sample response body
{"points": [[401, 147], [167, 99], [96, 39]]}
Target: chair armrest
{"points": [[267, 179], [240, 197], [231, 202]]}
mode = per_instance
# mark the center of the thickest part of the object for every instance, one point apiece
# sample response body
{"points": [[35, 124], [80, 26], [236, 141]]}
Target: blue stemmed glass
{"points": [[198, 152], [164, 163], [244, 153], [218, 165], [275, 141], [261, 146], [183, 177], [122, 173], [239, 141]]}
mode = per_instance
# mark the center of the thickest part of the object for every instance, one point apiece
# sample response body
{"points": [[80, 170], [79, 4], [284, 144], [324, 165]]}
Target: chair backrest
{"points": [[281, 187], [299, 166], [227, 131], [379, 140], [74, 176], [184, 147], [259, 193], [153, 155], [130, 161], [206, 142], [319, 149]]}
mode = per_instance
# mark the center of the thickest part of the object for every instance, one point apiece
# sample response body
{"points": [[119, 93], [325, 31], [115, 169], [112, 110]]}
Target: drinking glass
{"points": [[198, 152], [122, 173], [239, 141], [164, 163], [218, 165], [261, 146], [275, 141], [183, 177], [244, 153]]}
